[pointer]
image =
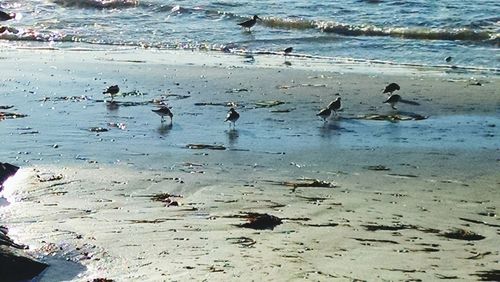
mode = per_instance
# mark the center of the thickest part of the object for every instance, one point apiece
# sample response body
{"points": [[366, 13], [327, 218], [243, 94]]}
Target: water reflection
{"points": [[164, 128], [330, 128], [112, 106], [232, 136]]}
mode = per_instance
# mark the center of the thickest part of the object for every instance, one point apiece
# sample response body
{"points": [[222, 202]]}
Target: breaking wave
{"points": [[462, 34], [101, 4]]}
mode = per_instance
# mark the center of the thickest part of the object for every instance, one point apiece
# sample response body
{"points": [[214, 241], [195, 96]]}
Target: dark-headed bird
{"points": [[393, 100], [232, 117], [335, 105], [112, 90], [324, 113], [391, 88], [164, 111], [249, 23], [288, 50]]}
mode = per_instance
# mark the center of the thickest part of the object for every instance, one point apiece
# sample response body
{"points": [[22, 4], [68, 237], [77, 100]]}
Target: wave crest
{"points": [[101, 4], [462, 34]]}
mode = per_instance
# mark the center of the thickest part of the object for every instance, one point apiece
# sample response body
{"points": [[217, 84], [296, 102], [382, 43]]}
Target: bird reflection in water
{"points": [[331, 128], [112, 106], [164, 128], [232, 136]]}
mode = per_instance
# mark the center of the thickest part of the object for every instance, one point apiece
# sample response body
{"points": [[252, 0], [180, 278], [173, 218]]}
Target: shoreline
{"points": [[363, 218], [395, 189]]}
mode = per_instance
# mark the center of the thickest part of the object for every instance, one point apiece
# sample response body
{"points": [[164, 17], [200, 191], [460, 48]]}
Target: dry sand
{"points": [[397, 189]]}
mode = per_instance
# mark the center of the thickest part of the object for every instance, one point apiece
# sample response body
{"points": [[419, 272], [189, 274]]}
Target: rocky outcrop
{"points": [[15, 264], [6, 171]]}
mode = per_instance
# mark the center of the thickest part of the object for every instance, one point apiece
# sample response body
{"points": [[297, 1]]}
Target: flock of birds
{"points": [[232, 115]]}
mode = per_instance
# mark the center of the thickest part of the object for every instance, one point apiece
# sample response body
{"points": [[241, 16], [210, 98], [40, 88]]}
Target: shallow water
{"points": [[261, 138], [414, 32]]}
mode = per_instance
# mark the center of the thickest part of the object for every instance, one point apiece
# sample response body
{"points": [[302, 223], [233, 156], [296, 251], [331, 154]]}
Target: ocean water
{"points": [[420, 32]]}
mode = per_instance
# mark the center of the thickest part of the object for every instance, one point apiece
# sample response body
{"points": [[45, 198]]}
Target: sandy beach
{"points": [[108, 191]]}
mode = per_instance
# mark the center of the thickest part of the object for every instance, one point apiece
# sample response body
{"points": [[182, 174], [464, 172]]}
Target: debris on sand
{"points": [[375, 241], [261, 221], [491, 275], [166, 198], [102, 280], [376, 227], [222, 104], [98, 129], [236, 90], [205, 146], [377, 167], [395, 117], [268, 104], [305, 183], [462, 234], [47, 177], [9, 115], [242, 241]]}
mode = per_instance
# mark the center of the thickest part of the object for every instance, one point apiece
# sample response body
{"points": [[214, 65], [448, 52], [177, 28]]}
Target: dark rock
{"points": [[15, 265], [6, 241], [6, 171]]}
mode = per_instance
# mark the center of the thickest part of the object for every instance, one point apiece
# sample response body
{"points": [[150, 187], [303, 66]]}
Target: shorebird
{"points": [[248, 24], [288, 50], [324, 113], [5, 17], [164, 111], [112, 90], [391, 88], [335, 105], [392, 100], [232, 117]]}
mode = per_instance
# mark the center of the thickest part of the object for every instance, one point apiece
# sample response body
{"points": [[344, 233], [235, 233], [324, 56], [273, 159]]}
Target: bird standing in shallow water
{"points": [[232, 117], [163, 112], [250, 23], [288, 50], [112, 91], [324, 113], [335, 105], [391, 88], [392, 100]]}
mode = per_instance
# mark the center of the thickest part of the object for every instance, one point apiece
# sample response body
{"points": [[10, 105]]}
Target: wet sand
{"points": [[397, 188]]}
